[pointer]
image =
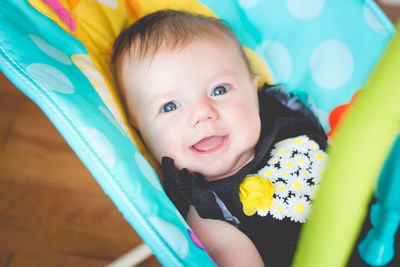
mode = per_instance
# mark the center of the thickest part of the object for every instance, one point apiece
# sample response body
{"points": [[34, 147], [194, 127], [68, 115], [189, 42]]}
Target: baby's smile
{"points": [[210, 144]]}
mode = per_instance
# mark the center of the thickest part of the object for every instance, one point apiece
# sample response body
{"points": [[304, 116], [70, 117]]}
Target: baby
{"points": [[240, 164]]}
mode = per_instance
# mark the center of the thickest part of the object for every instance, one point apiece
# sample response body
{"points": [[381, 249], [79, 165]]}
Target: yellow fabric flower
{"points": [[256, 193]]}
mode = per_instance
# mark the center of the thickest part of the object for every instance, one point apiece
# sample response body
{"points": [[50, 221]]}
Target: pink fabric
{"points": [[62, 13]]}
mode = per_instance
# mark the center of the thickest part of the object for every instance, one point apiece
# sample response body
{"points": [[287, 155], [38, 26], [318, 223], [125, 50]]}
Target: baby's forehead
{"points": [[138, 51], [223, 43]]}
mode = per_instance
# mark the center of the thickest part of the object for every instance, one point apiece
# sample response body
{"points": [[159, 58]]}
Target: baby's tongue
{"points": [[208, 143]]}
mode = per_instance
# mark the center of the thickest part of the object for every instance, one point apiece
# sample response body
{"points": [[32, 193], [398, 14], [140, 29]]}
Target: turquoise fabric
{"points": [[35, 54], [321, 50]]}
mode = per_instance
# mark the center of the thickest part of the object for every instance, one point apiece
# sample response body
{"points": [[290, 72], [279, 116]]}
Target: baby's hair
{"points": [[169, 29]]}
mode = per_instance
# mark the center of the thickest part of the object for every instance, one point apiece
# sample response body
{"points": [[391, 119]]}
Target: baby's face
{"points": [[197, 105]]}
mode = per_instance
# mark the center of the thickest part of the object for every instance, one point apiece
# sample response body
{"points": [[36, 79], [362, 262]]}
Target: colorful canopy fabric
{"points": [[57, 52]]}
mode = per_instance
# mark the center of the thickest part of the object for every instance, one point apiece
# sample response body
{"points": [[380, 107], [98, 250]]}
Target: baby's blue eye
{"points": [[170, 106], [220, 90]]}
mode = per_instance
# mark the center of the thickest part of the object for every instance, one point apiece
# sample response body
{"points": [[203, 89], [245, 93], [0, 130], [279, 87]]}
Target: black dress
{"points": [[282, 117]]}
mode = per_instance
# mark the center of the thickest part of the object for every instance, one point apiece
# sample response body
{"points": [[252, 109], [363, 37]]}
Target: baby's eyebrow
{"points": [[161, 96], [225, 74]]}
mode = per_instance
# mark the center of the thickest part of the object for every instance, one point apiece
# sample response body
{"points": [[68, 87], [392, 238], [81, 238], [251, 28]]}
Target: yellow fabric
{"points": [[73, 3], [150, 6], [98, 23], [259, 67], [97, 26]]}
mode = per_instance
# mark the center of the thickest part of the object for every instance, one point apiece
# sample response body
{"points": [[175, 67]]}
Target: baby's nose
{"points": [[203, 111]]}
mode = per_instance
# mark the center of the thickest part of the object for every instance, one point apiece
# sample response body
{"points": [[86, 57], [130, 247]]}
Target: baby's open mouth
{"points": [[210, 144]]}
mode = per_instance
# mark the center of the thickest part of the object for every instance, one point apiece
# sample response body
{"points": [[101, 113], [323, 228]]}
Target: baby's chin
{"points": [[218, 176], [215, 168], [210, 172]]}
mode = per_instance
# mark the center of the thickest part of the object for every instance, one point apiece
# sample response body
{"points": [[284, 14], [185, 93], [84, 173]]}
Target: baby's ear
{"points": [[255, 81], [132, 121], [129, 117]]}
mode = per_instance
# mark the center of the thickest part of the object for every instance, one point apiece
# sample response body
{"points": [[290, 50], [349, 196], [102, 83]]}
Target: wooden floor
{"points": [[52, 211]]}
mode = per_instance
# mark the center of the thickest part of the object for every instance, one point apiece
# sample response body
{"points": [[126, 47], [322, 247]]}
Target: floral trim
{"points": [[294, 170]]}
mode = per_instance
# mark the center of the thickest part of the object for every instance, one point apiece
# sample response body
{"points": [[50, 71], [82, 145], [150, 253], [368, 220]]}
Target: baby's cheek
{"points": [[249, 124], [168, 146], [154, 142], [247, 116]]}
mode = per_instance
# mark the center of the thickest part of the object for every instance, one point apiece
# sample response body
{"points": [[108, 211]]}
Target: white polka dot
{"points": [[172, 235], [247, 4], [278, 57], [305, 9], [111, 118], [104, 93], [331, 64], [114, 110], [373, 22], [94, 76], [101, 145], [147, 171], [50, 78], [82, 61], [110, 3], [85, 64], [123, 125], [50, 50]]}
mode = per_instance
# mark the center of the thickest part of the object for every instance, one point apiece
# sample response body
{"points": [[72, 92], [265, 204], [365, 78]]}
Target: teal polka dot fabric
{"points": [[321, 50]]}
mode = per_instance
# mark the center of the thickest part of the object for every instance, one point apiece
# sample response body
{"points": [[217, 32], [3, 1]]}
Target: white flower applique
{"points": [[295, 170]]}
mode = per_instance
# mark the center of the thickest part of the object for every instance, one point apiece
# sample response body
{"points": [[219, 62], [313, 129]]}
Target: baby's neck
{"points": [[240, 164]]}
